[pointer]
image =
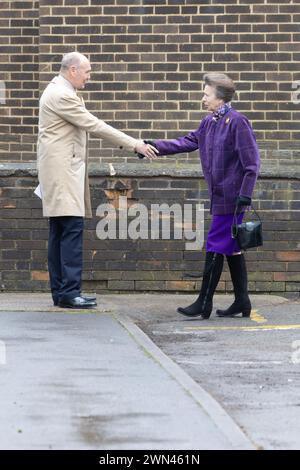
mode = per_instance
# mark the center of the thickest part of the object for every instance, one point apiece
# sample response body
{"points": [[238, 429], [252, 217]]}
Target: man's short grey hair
{"points": [[70, 59]]}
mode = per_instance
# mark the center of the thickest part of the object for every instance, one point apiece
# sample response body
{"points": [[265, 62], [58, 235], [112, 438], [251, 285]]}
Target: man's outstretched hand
{"points": [[146, 150]]}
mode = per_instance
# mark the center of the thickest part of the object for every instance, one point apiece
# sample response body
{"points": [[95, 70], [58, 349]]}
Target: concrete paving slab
{"points": [[41, 302], [136, 304]]}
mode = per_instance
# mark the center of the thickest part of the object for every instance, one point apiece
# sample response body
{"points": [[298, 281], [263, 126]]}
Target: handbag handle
{"points": [[234, 226]]}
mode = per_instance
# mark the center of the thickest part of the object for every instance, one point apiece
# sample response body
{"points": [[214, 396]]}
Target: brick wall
{"points": [[148, 60], [146, 265], [19, 67]]}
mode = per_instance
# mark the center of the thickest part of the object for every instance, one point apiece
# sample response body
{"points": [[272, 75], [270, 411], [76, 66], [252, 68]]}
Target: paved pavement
{"points": [[95, 380]]}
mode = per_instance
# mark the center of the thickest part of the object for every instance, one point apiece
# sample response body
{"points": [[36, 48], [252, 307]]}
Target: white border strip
{"points": [[220, 417]]}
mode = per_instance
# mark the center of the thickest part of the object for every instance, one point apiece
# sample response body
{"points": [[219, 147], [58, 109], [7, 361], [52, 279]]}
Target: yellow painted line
{"points": [[255, 316], [258, 327]]}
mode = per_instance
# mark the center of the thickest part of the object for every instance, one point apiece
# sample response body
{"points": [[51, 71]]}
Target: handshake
{"points": [[147, 149]]}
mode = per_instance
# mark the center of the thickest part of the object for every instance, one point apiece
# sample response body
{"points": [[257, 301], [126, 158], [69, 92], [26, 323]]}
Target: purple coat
{"points": [[229, 157]]}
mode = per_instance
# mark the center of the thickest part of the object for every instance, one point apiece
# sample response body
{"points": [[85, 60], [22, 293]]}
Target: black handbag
{"points": [[247, 234]]}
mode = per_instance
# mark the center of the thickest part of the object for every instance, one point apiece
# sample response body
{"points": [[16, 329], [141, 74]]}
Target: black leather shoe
{"points": [[237, 307], [88, 299], [77, 302], [197, 309]]}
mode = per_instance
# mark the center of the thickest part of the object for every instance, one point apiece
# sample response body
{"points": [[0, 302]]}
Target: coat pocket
{"points": [[77, 160]]}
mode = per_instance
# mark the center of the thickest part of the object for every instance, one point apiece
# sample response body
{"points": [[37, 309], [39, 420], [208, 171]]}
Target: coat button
{"points": [[121, 146]]}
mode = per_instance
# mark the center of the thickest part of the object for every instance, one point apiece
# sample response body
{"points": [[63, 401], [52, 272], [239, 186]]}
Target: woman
{"points": [[230, 163]]}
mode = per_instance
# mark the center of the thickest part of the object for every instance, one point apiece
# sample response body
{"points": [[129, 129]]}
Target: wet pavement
{"points": [[250, 366], [81, 380]]}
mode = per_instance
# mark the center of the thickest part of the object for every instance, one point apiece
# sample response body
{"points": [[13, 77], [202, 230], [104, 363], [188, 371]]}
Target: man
{"points": [[62, 170]]}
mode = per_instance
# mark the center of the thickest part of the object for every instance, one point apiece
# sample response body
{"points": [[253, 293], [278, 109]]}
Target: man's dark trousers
{"points": [[65, 256]]}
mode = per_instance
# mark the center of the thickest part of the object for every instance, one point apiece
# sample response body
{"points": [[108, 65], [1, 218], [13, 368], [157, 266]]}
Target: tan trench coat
{"points": [[62, 149]]}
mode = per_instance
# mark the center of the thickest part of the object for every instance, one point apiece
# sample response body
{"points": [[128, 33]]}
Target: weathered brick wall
{"points": [[146, 265], [148, 60], [19, 79]]}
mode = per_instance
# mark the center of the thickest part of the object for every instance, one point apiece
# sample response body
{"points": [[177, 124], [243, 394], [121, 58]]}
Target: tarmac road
{"points": [[251, 366]]}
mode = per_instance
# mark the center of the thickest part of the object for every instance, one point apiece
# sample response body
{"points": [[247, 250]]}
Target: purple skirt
{"points": [[219, 239]]}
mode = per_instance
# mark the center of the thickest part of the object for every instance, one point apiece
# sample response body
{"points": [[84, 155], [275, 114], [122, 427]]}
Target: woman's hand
{"points": [[243, 201], [146, 149]]}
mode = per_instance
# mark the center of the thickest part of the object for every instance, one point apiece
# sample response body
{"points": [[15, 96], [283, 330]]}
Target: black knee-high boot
{"points": [[241, 304], [211, 276]]}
